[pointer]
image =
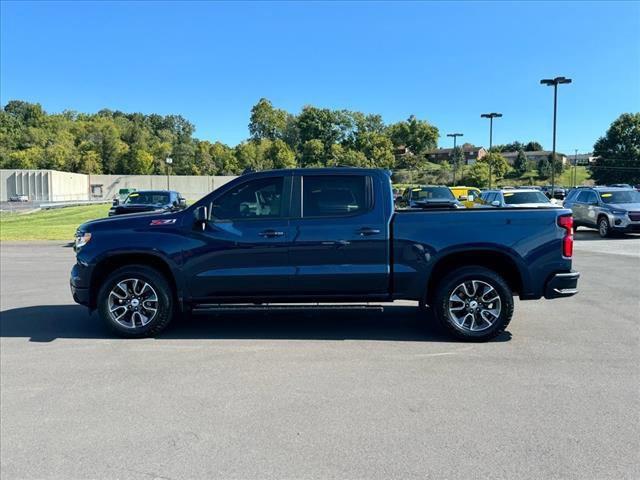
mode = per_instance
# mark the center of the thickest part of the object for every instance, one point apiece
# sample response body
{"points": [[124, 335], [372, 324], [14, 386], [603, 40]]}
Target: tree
{"points": [[281, 155], [509, 147], [521, 164], [544, 168], [533, 147], [479, 175], [376, 148], [313, 154], [499, 165], [266, 121], [417, 135], [618, 152]]}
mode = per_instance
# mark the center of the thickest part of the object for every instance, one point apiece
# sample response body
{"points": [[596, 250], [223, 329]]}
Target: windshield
{"points": [[432, 193], [147, 198], [624, 196], [518, 198]]}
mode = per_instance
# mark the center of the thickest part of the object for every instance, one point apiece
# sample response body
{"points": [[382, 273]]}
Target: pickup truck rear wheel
{"points": [[474, 304], [136, 301]]}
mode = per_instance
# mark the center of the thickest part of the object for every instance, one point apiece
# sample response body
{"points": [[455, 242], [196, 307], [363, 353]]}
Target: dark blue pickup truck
{"points": [[321, 235]]}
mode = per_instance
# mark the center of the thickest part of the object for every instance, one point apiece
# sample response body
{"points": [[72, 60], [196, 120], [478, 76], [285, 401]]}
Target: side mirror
{"points": [[115, 202], [182, 202], [471, 198], [201, 217], [495, 203], [464, 198]]}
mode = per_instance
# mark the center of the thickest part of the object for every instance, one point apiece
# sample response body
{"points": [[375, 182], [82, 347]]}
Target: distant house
{"points": [[582, 159], [534, 156], [471, 154]]}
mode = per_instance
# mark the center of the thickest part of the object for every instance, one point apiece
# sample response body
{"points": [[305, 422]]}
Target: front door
{"points": [[341, 243], [243, 249]]}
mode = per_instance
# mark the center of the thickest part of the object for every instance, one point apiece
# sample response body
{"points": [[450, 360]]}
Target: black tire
{"points": [[466, 274], [165, 303], [604, 228]]}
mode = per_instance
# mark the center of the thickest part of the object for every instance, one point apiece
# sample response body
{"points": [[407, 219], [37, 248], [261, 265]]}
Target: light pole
{"points": [[554, 82], [455, 163], [575, 168], [490, 116], [168, 161]]}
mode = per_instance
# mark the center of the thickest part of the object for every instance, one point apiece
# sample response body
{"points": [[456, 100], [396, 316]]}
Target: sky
{"points": [[445, 62]]}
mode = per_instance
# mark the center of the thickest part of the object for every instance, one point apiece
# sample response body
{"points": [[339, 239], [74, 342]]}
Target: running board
{"points": [[222, 307]]}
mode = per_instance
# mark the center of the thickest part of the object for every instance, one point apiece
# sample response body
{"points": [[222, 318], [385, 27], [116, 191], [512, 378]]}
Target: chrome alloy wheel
{"points": [[603, 227], [474, 305], [133, 303]]}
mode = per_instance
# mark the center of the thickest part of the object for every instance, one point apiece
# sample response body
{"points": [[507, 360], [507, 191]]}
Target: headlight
{"points": [[82, 239], [619, 212]]}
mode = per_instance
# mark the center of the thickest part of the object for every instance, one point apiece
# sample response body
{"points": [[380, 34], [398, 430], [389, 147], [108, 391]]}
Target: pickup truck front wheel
{"points": [[136, 301], [474, 304]]}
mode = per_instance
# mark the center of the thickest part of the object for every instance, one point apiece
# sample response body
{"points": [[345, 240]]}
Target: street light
{"points": [[575, 169], [168, 161], [455, 165], [490, 116], [554, 82]]}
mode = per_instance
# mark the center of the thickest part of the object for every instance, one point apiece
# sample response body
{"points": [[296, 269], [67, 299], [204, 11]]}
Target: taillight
{"points": [[566, 222]]}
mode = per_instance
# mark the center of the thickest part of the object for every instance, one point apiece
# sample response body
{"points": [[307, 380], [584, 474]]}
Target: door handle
{"points": [[271, 234], [366, 231]]}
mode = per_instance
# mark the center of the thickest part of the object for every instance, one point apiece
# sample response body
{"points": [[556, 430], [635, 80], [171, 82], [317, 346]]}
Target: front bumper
{"points": [[79, 285], [562, 285]]}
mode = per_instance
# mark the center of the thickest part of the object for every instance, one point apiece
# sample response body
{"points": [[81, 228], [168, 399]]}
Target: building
{"points": [[471, 154], [534, 156]]}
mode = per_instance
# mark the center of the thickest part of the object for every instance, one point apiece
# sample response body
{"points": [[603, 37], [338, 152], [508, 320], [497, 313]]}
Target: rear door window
{"points": [[335, 195]]}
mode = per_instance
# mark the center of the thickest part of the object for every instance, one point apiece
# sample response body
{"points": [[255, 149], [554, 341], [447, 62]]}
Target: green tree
{"points": [[478, 175], [266, 121], [281, 155], [521, 164], [533, 147], [618, 152], [499, 165], [313, 154], [417, 135], [544, 168]]}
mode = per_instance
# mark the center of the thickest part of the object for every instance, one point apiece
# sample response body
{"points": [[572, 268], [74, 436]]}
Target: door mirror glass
{"points": [[471, 197], [115, 202], [182, 202]]}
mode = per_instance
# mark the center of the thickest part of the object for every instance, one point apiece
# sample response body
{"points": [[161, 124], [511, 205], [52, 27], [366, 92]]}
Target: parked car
{"points": [[430, 196], [466, 195], [609, 209], [321, 235], [148, 201], [520, 198], [19, 198], [558, 193], [123, 193]]}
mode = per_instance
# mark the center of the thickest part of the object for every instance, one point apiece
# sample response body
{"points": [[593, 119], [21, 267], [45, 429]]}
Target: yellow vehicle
{"points": [[468, 196]]}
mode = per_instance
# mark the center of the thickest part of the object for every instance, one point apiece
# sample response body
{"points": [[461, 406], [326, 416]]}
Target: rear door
{"points": [[341, 243]]}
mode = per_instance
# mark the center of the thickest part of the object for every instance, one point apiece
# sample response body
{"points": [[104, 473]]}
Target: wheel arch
{"points": [[111, 263], [499, 262]]}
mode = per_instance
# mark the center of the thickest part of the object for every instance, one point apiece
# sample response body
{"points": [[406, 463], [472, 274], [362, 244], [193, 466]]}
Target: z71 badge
{"points": [[164, 221]]}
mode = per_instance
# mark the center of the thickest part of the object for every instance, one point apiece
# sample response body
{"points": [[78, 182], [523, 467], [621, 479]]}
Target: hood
{"points": [[127, 221], [629, 207], [122, 209], [535, 205]]}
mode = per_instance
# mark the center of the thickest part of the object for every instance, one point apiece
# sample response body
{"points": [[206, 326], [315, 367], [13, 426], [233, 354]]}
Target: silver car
{"points": [[609, 209]]}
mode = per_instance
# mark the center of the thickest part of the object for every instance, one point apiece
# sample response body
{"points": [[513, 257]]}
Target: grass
{"points": [[57, 224]]}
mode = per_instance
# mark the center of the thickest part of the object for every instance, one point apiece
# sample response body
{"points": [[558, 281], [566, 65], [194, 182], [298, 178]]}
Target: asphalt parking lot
{"points": [[347, 394]]}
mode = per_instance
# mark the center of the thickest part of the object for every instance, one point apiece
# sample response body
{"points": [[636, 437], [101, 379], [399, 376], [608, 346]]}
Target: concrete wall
{"points": [[36, 184], [54, 186], [190, 186]]}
